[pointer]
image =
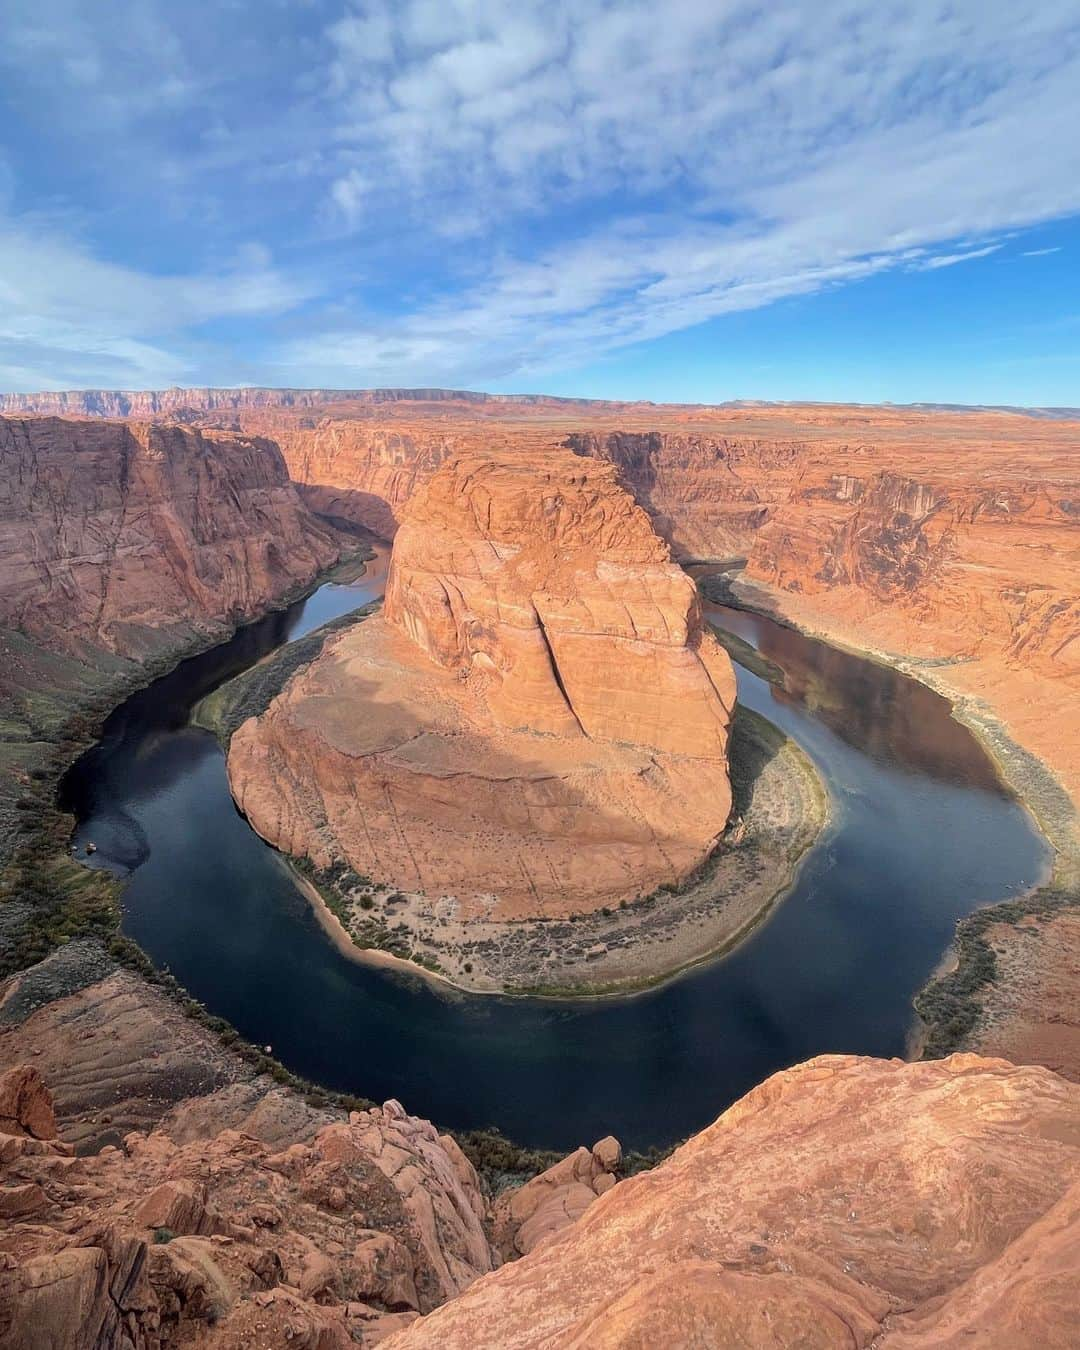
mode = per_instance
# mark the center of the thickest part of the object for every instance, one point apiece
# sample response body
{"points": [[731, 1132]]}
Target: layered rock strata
{"points": [[846, 1202], [971, 567], [121, 535], [536, 724], [122, 547]]}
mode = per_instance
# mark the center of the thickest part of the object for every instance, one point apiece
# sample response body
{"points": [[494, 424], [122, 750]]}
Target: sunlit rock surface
{"points": [[843, 1203], [536, 723]]}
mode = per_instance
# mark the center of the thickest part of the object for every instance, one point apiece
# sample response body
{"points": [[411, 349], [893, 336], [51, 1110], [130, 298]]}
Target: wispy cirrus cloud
{"points": [[68, 317], [475, 189], [937, 260]]}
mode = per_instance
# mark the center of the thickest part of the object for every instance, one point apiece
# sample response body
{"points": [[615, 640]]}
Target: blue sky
{"points": [[694, 200]]}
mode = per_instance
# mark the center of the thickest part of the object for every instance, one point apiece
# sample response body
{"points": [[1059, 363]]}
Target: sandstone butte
{"points": [[535, 724], [844, 1203]]}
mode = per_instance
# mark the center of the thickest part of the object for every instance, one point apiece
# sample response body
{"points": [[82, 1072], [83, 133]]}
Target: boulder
{"points": [[26, 1106], [176, 1205], [528, 1215]]}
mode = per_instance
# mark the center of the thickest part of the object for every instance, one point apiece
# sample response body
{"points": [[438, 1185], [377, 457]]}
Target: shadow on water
{"points": [[922, 834]]}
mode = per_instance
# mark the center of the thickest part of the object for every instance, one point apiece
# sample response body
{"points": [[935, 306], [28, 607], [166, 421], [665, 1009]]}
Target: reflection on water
{"points": [[923, 833], [892, 719]]}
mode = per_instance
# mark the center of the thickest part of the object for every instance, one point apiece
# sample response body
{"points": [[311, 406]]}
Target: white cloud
{"points": [[530, 183], [69, 316], [1039, 252], [348, 193], [794, 157], [951, 259]]}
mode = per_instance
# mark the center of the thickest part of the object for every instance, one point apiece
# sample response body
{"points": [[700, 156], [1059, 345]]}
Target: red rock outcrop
{"points": [[527, 1215], [363, 473], [536, 723], [226, 1242], [544, 584], [119, 1055], [707, 495], [25, 1104], [843, 1203], [126, 535]]}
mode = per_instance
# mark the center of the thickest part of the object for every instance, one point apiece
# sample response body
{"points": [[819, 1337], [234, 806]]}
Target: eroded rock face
{"points": [[947, 564], [544, 584], [536, 723], [707, 495], [119, 1055], [967, 558], [130, 536], [844, 1202], [25, 1104]]}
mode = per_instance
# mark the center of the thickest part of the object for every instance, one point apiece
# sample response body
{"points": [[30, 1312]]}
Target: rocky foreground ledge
{"points": [[844, 1203]]}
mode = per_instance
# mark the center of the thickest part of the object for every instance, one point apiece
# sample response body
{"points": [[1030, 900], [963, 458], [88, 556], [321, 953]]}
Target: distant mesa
{"points": [[536, 724]]}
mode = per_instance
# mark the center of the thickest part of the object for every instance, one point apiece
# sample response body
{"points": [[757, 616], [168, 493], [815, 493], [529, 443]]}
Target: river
{"points": [[922, 833]]}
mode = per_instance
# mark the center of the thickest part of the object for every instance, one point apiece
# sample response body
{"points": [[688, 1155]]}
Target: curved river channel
{"points": [[922, 833]]}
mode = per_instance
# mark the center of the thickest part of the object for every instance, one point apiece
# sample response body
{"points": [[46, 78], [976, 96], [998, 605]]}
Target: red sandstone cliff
{"points": [[971, 563], [360, 473], [123, 535], [538, 721], [707, 495], [954, 564]]}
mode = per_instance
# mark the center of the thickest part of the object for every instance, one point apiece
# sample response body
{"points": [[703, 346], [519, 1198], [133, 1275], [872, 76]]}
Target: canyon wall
{"points": [[119, 535], [536, 724], [122, 546], [362, 474], [707, 495], [968, 566], [181, 403], [945, 536], [950, 565]]}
